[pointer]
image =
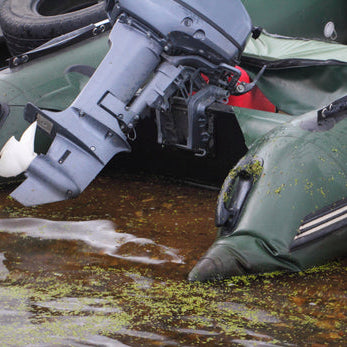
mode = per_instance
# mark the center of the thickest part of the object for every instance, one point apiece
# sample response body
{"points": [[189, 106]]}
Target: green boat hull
{"points": [[303, 175]]}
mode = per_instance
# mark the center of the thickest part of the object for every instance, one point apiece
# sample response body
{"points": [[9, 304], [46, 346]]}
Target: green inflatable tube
{"points": [[284, 206]]}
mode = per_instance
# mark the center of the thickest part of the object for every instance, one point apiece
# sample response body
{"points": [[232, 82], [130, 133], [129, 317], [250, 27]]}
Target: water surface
{"points": [[109, 269]]}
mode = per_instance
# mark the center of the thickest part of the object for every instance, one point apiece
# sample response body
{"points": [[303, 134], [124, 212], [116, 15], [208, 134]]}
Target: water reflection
{"points": [[99, 234], [113, 274]]}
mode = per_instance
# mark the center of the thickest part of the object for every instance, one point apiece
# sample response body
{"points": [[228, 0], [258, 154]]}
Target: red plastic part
{"points": [[254, 99]]}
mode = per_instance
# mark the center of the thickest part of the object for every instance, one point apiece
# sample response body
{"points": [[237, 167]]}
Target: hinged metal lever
{"points": [[243, 87], [191, 60]]}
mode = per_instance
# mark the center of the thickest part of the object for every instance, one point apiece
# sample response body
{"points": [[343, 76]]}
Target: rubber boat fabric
{"points": [[301, 75], [302, 179]]}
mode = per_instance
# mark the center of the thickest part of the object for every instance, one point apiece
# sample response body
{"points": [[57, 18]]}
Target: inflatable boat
{"points": [[210, 82]]}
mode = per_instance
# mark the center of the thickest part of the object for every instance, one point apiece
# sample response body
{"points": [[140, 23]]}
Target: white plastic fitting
{"points": [[16, 156]]}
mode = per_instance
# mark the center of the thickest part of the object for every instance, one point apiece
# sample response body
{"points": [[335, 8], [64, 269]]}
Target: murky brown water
{"points": [[110, 268]]}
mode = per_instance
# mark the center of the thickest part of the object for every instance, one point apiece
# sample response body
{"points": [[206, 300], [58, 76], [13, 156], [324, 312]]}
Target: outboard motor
{"points": [[159, 52]]}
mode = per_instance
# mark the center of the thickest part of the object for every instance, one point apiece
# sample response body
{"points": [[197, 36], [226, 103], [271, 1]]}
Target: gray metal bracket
{"points": [[85, 135]]}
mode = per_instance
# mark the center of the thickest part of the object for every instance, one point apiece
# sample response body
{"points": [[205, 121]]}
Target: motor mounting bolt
{"points": [[16, 61], [188, 22], [240, 88], [200, 35], [205, 137]]}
